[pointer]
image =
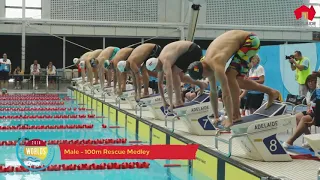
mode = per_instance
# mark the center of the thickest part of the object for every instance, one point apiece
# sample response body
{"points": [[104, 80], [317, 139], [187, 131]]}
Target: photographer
{"points": [[302, 66]]}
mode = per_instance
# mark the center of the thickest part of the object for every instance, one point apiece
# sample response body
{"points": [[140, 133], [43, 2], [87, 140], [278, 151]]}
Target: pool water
{"points": [[8, 153]]}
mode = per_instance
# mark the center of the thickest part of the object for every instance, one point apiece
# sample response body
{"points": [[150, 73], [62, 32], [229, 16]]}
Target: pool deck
{"points": [[295, 170]]}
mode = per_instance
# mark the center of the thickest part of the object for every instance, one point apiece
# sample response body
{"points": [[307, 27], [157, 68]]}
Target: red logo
{"points": [[307, 13]]}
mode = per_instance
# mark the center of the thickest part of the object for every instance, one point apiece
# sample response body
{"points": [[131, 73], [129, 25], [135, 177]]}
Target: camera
{"points": [[289, 57]]}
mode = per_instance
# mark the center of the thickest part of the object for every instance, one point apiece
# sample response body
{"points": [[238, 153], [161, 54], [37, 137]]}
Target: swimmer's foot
{"points": [[272, 97], [216, 122]]}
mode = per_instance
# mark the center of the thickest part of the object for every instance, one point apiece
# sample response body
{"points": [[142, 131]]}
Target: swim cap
{"points": [[195, 70], [151, 64], [75, 60], [82, 64], [122, 66], [93, 63], [106, 64]]}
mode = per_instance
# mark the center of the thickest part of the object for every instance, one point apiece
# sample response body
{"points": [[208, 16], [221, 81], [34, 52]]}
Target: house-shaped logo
{"points": [[304, 11]]}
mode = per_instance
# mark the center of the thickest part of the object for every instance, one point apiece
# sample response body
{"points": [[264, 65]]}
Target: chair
{"points": [[68, 74]]}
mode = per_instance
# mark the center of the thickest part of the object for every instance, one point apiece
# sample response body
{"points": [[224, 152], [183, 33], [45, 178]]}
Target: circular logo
{"points": [[35, 155]]}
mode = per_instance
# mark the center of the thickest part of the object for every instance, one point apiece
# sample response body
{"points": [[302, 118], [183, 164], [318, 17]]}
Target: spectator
{"points": [[35, 70], [307, 118], [256, 73], [51, 72], [243, 102], [301, 65], [5, 71], [17, 78]]}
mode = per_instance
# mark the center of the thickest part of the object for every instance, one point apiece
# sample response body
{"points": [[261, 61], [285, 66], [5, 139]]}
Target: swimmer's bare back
{"points": [[123, 54], [140, 53], [173, 51], [105, 54], [223, 47]]}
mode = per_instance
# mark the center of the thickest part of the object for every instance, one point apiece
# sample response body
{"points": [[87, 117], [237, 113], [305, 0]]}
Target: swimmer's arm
{"points": [[213, 96], [160, 85], [136, 78], [226, 94], [243, 94], [169, 82], [90, 72]]}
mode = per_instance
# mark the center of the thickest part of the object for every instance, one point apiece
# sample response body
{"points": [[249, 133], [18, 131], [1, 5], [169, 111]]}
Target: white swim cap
{"points": [[75, 60], [121, 66], [151, 64], [106, 63]]}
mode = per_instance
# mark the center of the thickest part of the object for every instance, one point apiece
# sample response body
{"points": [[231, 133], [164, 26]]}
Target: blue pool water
{"points": [[8, 153]]}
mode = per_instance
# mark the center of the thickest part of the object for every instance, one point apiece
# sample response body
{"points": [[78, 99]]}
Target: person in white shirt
{"points": [[5, 71], [51, 72], [256, 73], [35, 70]]}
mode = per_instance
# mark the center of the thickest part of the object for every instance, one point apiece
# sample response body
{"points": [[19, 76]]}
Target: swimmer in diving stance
{"points": [[136, 63], [242, 46], [101, 64], [173, 62], [118, 78], [84, 63]]}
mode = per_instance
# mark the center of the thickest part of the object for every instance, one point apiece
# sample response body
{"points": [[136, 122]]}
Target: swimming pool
{"points": [[8, 153]]}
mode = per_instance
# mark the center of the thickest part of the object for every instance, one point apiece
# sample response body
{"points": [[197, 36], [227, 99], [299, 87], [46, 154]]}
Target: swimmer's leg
{"points": [[109, 75], [145, 79], [235, 94], [96, 76]]}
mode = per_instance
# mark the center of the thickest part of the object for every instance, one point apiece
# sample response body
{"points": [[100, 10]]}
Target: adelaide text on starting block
{"points": [[69, 151]]}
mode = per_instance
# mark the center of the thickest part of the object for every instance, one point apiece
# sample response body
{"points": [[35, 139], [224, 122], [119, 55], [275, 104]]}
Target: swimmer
{"points": [[137, 61], [242, 46], [101, 64], [121, 79], [84, 62], [173, 62]]}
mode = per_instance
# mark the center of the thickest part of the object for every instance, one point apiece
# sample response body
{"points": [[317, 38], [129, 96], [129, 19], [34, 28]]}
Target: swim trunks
{"points": [[115, 51], [241, 59], [155, 52], [194, 53]]}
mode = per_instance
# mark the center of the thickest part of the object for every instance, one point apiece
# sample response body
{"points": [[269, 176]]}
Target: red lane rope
{"points": [[174, 165], [35, 99], [26, 127], [43, 109], [31, 103], [30, 95], [76, 142], [73, 167], [112, 127], [49, 117]]}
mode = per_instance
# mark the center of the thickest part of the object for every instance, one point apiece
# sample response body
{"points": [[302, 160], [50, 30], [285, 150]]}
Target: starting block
{"points": [[129, 96], [195, 116], [314, 142], [152, 103], [257, 133]]}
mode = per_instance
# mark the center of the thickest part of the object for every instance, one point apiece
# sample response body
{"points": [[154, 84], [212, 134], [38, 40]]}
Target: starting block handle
{"points": [[297, 106], [140, 105], [173, 120], [228, 142]]}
